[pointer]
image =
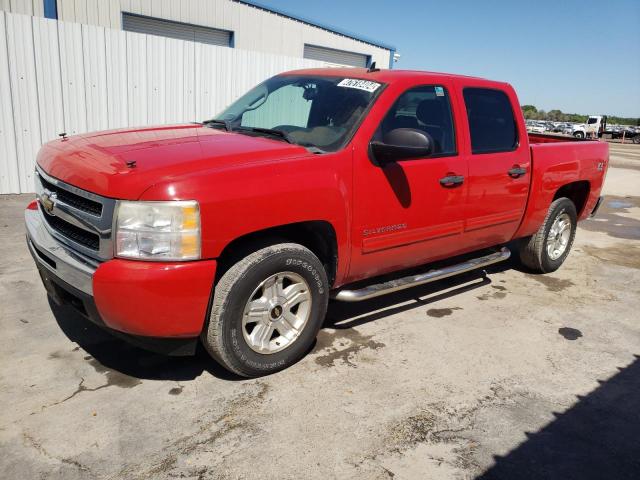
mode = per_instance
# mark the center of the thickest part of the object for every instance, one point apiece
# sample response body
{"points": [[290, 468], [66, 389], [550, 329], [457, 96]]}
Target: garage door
{"points": [[171, 29], [337, 57]]}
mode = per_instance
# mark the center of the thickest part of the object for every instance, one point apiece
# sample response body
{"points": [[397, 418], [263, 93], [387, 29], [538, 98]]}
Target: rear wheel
{"points": [[267, 310], [579, 134], [545, 251]]}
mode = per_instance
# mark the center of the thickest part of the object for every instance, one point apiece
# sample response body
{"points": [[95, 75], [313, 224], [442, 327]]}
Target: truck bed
{"points": [[545, 138], [557, 161]]}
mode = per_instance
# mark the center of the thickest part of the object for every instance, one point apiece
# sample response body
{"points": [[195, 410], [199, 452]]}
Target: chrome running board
{"points": [[376, 290]]}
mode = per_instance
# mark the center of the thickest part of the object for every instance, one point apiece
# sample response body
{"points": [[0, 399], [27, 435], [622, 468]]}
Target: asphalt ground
{"points": [[499, 376]]}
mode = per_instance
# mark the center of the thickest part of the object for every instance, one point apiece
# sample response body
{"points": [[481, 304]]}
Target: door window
{"points": [[425, 108], [491, 121]]}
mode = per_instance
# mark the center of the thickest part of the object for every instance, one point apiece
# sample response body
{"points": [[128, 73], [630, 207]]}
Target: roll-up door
{"points": [[337, 57], [171, 29]]}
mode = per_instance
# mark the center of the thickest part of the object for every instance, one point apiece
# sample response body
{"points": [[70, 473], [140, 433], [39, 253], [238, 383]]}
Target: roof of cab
{"points": [[385, 75]]}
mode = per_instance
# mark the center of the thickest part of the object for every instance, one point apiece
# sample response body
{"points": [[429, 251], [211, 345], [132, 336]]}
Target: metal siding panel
{"points": [[156, 78], [72, 73], [104, 13], [26, 117], [80, 8], [145, 7], [9, 176], [178, 86], [115, 14], [92, 9], [25, 7], [38, 8], [95, 77], [66, 10], [204, 77], [49, 82], [137, 78], [116, 71], [135, 6]]}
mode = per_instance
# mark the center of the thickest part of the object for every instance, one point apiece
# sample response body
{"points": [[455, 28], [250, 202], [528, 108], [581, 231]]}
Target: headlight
{"points": [[164, 231]]}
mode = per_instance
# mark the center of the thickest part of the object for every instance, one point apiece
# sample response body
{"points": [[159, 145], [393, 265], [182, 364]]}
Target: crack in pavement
{"points": [[81, 388], [42, 451]]}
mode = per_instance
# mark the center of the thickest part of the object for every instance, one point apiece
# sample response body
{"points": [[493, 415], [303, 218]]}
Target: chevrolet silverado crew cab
{"points": [[316, 184]]}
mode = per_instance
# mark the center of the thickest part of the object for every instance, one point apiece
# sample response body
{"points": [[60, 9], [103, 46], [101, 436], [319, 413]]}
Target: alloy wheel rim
{"points": [[559, 236], [276, 313]]}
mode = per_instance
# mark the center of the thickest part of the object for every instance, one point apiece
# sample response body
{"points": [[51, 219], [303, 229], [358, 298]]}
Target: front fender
{"points": [[239, 200]]}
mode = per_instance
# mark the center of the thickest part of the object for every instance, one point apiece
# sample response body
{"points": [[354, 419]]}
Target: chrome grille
{"points": [[80, 219], [73, 200]]}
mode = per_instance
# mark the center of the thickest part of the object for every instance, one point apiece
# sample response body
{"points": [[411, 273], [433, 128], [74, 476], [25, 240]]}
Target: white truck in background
{"points": [[594, 128]]}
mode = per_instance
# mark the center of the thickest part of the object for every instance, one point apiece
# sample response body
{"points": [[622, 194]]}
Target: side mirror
{"points": [[401, 144]]}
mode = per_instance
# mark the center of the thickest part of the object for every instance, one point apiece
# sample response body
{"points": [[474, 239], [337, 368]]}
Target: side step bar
{"points": [[376, 290]]}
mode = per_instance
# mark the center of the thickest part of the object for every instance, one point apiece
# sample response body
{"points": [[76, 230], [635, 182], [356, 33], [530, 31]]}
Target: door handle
{"points": [[517, 171], [451, 181]]}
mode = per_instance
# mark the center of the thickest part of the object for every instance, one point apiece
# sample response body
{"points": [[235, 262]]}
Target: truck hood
{"points": [[124, 163]]}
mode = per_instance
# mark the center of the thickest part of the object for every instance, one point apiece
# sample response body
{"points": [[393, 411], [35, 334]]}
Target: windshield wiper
{"points": [[269, 131], [225, 123]]}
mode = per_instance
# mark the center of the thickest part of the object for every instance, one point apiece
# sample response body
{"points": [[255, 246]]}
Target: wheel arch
{"points": [[319, 236], [577, 192]]}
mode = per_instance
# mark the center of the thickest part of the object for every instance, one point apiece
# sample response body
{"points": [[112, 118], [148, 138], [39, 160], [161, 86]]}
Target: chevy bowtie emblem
{"points": [[47, 200]]}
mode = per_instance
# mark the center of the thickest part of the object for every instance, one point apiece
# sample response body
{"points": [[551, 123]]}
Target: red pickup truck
{"points": [[311, 186]]}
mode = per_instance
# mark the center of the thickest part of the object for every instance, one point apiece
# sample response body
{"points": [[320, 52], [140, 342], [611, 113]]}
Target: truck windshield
{"points": [[317, 112]]}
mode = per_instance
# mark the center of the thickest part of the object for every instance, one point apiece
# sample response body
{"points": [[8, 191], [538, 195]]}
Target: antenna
{"points": [[372, 68]]}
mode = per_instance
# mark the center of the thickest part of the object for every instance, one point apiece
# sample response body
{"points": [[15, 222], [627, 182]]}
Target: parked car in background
{"points": [[315, 184], [537, 127]]}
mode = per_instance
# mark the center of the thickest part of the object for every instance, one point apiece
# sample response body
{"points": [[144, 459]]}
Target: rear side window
{"points": [[491, 122]]}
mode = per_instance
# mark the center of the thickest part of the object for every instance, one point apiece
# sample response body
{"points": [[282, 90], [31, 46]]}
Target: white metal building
{"points": [[246, 25], [82, 65]]}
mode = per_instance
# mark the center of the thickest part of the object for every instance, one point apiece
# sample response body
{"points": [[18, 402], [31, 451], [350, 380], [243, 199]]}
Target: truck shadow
{"points": [[594, 439], [343, 315], [106, 352], [112, 353]]}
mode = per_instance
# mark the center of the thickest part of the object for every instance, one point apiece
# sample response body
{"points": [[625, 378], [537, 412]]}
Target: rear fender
{"points": [[556, 165]]}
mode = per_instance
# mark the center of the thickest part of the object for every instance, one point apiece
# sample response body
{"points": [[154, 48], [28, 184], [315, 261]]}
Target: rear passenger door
{"points": [[499, 166]]}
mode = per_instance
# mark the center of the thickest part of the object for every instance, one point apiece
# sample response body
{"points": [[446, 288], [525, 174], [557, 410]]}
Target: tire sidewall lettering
{"points": [[296, 262]]}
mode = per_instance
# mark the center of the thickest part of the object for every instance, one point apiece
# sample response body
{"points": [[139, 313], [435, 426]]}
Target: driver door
{"points": [[406, 213]]}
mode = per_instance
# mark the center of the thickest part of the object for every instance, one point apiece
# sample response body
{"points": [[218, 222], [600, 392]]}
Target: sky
{"points": [[578, 56]]}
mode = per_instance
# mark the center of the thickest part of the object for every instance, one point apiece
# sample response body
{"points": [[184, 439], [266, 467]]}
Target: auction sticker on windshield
{"points": [[366, 85]]}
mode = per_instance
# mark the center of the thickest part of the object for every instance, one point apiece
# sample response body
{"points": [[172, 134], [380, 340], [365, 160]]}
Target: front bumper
{"points": [[159, 306]]}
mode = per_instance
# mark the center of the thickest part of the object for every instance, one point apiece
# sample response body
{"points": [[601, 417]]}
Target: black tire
{"points": [[533, 251], [578, 135], [223, 336]]}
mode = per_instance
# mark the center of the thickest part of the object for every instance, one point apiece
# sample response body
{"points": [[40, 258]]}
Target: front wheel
{"points": [[267, 310], [545, 251], [579, 135]]}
